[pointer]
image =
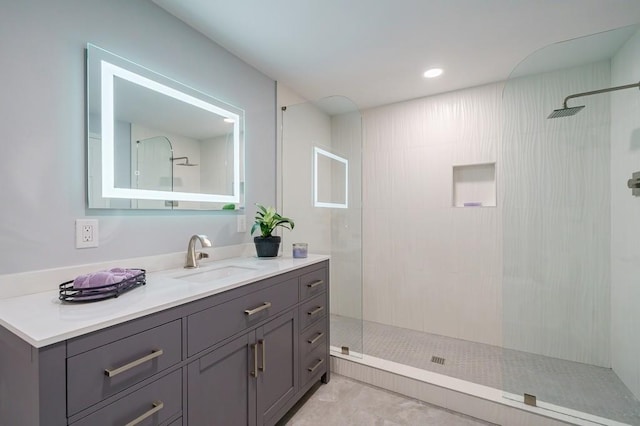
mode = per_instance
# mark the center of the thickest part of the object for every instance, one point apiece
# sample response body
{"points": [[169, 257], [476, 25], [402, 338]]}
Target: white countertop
{"points": [[41, 319]]}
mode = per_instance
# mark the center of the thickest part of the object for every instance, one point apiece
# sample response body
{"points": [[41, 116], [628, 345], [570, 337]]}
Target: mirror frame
{"points": [[151, 80]]}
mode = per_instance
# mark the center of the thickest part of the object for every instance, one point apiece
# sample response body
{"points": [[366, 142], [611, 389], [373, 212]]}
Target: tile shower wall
{"points": [[625, 210], [556, 227], [427, 265], [432, 267]]}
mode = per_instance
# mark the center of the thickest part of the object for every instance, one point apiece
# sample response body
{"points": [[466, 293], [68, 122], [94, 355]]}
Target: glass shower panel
{"points": [[153, 169], [321, 190], [556, 183]]}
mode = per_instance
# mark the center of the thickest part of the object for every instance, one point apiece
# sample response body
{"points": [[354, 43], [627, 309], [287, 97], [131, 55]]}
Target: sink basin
{"points": [[210, 274]]}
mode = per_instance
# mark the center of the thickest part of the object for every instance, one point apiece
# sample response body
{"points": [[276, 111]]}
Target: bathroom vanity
{"points": [[238, 343]]}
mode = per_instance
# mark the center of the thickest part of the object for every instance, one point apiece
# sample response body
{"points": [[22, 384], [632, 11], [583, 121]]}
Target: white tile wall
{"points": [[432, 267], [440, 269], [625, 211], [556, 221]]}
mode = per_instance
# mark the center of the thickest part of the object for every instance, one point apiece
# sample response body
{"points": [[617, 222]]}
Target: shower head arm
{"points": [[596, 92]]}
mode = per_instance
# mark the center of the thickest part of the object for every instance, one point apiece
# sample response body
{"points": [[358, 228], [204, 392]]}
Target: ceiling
{"points": [[375, 51]]}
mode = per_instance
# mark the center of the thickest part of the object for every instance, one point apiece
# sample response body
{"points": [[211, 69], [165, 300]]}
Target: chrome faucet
{"points": [[192, 255]]}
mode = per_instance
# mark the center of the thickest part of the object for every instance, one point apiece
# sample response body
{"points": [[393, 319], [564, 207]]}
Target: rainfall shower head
{"points": [[186, 161], [567, 111]]}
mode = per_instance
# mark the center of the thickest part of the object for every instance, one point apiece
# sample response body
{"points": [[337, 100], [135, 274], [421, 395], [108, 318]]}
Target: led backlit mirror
{"points": [[330, 181], [155, 143]]}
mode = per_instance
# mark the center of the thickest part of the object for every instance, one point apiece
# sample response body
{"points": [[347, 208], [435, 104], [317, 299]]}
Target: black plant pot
{"points": [[267, 246]]}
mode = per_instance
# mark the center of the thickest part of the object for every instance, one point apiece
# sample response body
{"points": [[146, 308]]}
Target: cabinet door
{"points": [[277, 365], [221, 390]]}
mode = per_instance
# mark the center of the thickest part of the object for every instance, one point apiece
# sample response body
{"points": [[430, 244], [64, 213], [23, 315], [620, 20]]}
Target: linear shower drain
{"points": [[437, 360]]}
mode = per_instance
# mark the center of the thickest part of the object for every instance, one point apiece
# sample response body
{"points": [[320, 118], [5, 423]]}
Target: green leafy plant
{"points": [[267, 219]]}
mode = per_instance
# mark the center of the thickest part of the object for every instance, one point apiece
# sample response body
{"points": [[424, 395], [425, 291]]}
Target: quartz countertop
{"points": [[41, 319]]}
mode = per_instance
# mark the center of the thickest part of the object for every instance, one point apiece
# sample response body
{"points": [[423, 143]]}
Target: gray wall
{"points": [[42, 119]]}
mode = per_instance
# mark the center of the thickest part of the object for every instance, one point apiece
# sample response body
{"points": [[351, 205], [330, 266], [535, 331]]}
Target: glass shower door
{"points": [[563, 176], [321, 190]]}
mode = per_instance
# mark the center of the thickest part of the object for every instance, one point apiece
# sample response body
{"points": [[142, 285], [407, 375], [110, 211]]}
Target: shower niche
{"points": [[474, 185]]}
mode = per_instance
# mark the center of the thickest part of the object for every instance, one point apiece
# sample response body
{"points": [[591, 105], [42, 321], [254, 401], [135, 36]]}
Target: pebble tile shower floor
{"points": [[582, 387]]}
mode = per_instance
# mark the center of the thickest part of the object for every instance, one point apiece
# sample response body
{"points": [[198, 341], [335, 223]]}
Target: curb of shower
{"points": [[454, 393]]}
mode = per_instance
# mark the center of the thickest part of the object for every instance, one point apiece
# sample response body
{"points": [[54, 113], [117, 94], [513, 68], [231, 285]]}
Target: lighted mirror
{"points": [[330, 181], [155, 143]]}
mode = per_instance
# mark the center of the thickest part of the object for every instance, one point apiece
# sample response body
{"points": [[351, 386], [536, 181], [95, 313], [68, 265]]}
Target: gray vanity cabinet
{"points": [[246, 381], [219, 389], [240, 357]]}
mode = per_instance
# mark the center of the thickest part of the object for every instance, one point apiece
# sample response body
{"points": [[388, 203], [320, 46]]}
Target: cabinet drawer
{"points": [[160, 401], [104, 371], [313, 283], [208, 327], [314, 336], [312, 310], [313, 365]]}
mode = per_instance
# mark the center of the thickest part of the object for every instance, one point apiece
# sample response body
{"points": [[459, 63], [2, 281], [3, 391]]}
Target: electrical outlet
{"points": [[241, 223], [86, 233]]}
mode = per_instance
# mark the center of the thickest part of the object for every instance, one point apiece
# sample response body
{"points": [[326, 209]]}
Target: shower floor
{"points": [[581, 387]]}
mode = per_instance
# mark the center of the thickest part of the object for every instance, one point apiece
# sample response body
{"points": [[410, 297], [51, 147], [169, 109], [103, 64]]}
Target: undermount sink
{"points": [[210, 274]]}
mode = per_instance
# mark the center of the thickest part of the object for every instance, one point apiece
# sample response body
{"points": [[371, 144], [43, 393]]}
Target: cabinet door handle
{"points": [[315, 283], [254, 349], [315, 367], [265, 305], [157, 406], [316, 310], [315, 339], [263, 367], [137, 362]]}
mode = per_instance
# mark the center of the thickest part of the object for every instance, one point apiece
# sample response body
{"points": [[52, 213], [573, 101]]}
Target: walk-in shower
{"points": [[529, 302]]}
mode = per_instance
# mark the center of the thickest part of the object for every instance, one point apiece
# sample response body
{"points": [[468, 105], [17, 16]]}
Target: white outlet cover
{"points": [[87, 233]]}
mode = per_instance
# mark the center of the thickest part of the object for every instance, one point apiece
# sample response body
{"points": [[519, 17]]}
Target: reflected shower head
{"points": [[186, 161], [565, 111]]}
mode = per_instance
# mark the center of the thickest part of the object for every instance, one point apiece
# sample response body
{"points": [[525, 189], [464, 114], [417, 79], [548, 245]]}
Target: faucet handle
{"points": [[200, 255]]}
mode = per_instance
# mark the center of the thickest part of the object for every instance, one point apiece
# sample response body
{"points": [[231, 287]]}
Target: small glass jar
{"points": [[300, 250]]}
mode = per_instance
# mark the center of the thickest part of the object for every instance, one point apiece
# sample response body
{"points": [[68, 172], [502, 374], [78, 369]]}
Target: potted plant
{"points": [[267, 219]]}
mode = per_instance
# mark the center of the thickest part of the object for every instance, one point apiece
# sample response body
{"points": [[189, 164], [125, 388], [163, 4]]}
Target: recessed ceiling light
{"points": [[433, 72]]}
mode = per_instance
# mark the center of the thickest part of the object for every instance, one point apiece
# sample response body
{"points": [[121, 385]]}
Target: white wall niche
{"points": [[474, 185]]}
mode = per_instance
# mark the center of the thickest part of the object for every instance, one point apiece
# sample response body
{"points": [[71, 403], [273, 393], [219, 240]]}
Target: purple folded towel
{"points": [[103, 278]]}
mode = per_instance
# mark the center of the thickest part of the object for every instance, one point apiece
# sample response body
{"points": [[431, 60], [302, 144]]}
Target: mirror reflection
{"points": [[154, 143], [330, 179]]}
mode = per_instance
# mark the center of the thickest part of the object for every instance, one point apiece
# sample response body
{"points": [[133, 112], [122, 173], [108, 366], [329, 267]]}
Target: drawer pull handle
{"points": [[157, 406], [265, 305], [315, 367], [315, 339], [137, 362], [264, 355], [254, 349], [315, 283], [316, 310]]}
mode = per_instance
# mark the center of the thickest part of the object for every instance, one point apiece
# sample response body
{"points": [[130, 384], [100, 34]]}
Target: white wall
{"points": [[440, 269], [625, 211], [42, 116], [556, 221], [427, 265]]}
